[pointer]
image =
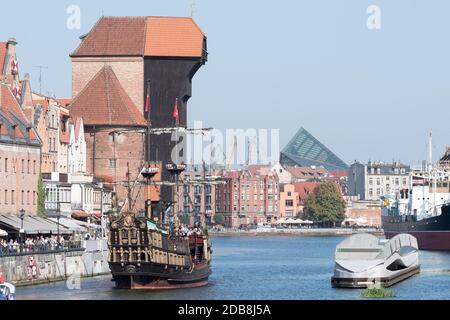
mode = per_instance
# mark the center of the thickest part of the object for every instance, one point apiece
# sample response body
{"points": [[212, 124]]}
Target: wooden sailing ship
{"points": [[156, 251]]}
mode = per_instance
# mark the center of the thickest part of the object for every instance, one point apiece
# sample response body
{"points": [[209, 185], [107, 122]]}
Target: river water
{"points": [[272, 267]]}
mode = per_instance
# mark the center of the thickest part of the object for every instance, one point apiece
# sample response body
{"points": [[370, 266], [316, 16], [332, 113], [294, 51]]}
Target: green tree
{"points": [[219, 219], [325, 205], [40, 197]]}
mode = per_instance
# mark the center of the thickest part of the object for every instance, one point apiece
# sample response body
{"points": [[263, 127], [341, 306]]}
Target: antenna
{"points": [[193, 7], [40, 76], [430, 149]]}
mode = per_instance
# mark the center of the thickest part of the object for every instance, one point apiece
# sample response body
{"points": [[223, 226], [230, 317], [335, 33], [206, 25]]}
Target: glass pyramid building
{"points": [[305, 150]]}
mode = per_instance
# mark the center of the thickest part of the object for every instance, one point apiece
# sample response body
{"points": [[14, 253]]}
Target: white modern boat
{"points": [[364, 260]]}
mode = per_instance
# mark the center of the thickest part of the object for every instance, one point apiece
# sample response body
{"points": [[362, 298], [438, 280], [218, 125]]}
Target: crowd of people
{"points": [[48, 243], [186, 231]]}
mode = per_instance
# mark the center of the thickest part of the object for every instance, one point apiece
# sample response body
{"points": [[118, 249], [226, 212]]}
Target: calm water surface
{"points": [[277, 267]]}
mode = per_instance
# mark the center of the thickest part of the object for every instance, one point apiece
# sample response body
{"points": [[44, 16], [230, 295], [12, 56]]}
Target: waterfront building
{"points": [[374, 180], [46, 115], [154, 57], [114, 133], [304, 150], [63, 148], [367, 212], [289, 201], [304, 189], [284, 175], [197, 199], [20, 149], [77, 147], [250, 196]]}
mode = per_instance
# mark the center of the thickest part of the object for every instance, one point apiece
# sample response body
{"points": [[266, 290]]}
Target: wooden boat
{"points": [[146, 254]]}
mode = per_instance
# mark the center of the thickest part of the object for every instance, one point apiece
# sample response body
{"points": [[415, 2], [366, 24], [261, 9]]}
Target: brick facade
{"points": [[250, 196], [108, 160], [19, 172], [129, 71]]}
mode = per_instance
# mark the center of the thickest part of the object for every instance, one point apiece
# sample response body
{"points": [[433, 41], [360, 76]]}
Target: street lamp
{"points": [[22, 216], [58, 216]]}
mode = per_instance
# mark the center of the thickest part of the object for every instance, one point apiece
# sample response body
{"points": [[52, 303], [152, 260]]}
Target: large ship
{"points": [[422, 210], [157, 251]]}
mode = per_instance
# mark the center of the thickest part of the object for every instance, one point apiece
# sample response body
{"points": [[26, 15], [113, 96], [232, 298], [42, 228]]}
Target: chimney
{"points": [[10, 56]]}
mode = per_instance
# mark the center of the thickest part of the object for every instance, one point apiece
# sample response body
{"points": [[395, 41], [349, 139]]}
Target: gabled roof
{"points": [[259, 169], [104, 102], [3, 50], [305, 188], [114, 36], [306, 172], [143, 36], [173, 37], [13, 118]]}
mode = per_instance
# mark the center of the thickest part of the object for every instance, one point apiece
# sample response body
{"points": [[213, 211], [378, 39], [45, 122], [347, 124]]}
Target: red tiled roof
{"points": [[104, 102], [173, 37], [13, 112], [3, 50], [114, 36], [78, 123], [64, 102], [305, 188], [143, 36], [339, 174], [259, 169], [307, 172]]}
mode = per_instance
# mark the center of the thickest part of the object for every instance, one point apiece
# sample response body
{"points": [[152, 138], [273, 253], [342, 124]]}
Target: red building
{"points": [[250, 196]]}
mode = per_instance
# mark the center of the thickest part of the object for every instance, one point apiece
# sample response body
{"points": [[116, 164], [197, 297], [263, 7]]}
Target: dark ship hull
{"points": [[431, 233], [152, 276], [143, 255]]}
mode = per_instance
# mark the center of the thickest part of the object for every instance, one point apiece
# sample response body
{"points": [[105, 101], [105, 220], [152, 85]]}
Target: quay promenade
{"points": [[297, 232], [43, 265]]}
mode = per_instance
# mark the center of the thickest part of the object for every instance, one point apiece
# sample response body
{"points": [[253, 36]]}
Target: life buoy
{"points": [[32, 269]]}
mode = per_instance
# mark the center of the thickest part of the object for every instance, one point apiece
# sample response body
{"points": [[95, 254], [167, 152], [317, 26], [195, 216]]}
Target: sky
{"points": [[282, 64]]}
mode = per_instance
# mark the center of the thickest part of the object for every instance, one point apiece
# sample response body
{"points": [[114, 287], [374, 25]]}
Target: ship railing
{"points": [[27, 249]]}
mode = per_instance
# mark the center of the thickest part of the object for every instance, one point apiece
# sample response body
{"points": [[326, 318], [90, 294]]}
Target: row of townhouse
{"points": [[38, 137], [252, 195]]}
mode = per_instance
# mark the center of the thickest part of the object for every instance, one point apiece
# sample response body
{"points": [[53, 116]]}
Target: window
{"points": [[289, 203], [6, 196], [12, 197], [112, 163], [289, 194], [378, 181], [6, 165], [28, 166], [34, 197], [23, 197], [404, 181], [370, 192], [28, 197], [23, 165], [370, 181]]}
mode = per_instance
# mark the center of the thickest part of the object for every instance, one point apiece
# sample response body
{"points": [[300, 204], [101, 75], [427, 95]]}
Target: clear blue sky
{"points": [[284, 64]]}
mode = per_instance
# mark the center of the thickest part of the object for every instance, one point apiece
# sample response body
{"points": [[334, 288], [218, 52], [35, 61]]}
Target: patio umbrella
{"points": [[3, 233]]}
